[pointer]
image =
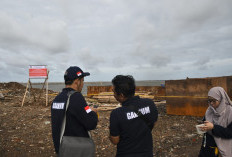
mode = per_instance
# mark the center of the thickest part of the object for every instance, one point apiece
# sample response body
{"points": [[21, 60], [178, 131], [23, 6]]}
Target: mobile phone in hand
{"points": [[95, 106]]}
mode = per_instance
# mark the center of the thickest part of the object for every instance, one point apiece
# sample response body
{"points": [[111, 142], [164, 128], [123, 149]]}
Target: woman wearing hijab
{"points": [[217, 140]]}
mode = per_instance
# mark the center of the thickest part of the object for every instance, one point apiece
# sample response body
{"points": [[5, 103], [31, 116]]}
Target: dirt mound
{"points": [[15, 92], [12, 85]]}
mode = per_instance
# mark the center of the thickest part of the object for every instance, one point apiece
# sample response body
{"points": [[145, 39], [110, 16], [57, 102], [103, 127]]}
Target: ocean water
{"points": [[58, 86]]}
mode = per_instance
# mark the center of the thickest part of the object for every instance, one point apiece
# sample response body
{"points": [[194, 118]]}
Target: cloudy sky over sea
{"points": [[149, 39]]}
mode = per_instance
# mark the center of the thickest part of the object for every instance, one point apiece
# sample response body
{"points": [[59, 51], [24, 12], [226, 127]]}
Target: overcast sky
{"points": [[149, 39]]}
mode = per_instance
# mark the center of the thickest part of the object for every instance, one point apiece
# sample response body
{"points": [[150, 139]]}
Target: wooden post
{"points": [[42, 88], [31, 89], [47, 92], [25, 93]]}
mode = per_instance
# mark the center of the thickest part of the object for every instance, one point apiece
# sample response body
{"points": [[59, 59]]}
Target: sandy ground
{"points": [[26, 131]]}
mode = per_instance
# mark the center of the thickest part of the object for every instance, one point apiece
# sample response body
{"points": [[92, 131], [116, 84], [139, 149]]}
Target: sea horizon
{"points": [[58, 86]]}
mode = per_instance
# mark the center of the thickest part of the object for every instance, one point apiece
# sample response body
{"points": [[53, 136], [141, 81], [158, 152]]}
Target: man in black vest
{"points": [[80, 118], [132, 123]]}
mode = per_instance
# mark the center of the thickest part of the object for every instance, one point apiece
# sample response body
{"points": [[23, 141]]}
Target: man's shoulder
{"points": [[117, 111], [147, 105], [61, 96], [77, 100], [75, 95], [146, 101], [68, 92]]}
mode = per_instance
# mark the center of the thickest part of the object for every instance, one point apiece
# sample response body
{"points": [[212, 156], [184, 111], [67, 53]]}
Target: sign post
{"points": [[37, 72]]}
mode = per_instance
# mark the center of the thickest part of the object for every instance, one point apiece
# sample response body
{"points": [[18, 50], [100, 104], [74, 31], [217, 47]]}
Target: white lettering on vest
{"points": [[145, 110], [132, 115], [58, 106]]}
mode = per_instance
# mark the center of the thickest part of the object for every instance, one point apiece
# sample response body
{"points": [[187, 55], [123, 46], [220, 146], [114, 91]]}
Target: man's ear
{"points": [[76, 81], [121, 95]]}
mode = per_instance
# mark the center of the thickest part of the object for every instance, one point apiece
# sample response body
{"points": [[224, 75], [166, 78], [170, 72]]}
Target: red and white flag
{"points": [[87, 109], [79, 73]]}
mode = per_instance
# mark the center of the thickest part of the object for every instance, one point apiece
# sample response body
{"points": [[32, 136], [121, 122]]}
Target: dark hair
{"points": [[124, 85], [69, 82]]}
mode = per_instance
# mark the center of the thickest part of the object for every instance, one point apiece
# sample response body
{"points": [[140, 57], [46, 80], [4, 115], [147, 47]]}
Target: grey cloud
{"points": [[88, 60], [202, 63], [108, 37], [208, 15], [171, 19], [24, 59], [37, 32], [160, 60], [147, 53], [118, 61]]}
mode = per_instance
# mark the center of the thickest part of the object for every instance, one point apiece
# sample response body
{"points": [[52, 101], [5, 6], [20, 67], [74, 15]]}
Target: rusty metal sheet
{"points": [[186, 106], [188, 97], [154, 90], [92, 90], [229, 87]]}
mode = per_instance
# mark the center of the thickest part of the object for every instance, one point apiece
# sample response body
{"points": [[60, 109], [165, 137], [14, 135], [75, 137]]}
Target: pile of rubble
{"points": [[106, 101]]}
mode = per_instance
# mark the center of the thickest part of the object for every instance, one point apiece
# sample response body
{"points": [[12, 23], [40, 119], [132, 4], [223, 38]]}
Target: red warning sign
{"points": [[38, 71]]}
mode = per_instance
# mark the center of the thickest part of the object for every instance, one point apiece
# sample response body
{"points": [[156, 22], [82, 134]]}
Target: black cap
{"points": [[73, 73]]}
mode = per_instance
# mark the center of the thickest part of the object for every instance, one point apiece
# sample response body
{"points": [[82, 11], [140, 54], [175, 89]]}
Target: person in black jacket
{"points": [[218, 125], [131, 124], [80, 118]]}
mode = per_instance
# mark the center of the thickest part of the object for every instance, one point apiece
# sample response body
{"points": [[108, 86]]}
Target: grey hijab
{"points": [[221, 116]]}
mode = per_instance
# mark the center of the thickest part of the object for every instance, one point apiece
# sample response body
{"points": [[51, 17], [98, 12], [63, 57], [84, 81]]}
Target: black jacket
{"points": [[135, 134], [79, 118]]}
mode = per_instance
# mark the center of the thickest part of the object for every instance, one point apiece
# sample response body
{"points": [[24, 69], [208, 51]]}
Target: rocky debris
{"points": [[105, 97], [1, 96], [108, 97], [161, 107], [11, 85], [107, 102]]}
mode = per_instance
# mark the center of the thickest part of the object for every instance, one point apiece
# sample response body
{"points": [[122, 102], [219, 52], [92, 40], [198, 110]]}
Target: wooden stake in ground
{"points": [[25, 93], [47, 94]]}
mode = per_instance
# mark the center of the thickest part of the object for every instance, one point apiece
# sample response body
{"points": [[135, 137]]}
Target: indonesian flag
{"points": [[79, 73], [87, 109]]}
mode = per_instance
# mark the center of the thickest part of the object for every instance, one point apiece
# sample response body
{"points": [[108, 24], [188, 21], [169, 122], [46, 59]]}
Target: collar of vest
{"points": [[67, 89], [130, 100]]}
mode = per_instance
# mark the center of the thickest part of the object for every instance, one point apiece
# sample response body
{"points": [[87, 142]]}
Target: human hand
{"points": [[94, 109], [208, 126]]}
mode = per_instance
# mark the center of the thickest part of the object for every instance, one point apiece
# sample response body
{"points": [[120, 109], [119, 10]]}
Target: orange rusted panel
{"points": [[92, 90], [229, 87], [188, 87], [186, 106], [154, 90], [188, 97]]}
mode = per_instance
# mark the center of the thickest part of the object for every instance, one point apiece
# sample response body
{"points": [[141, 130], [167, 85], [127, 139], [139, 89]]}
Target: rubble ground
{"points": [[26, 131]]}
